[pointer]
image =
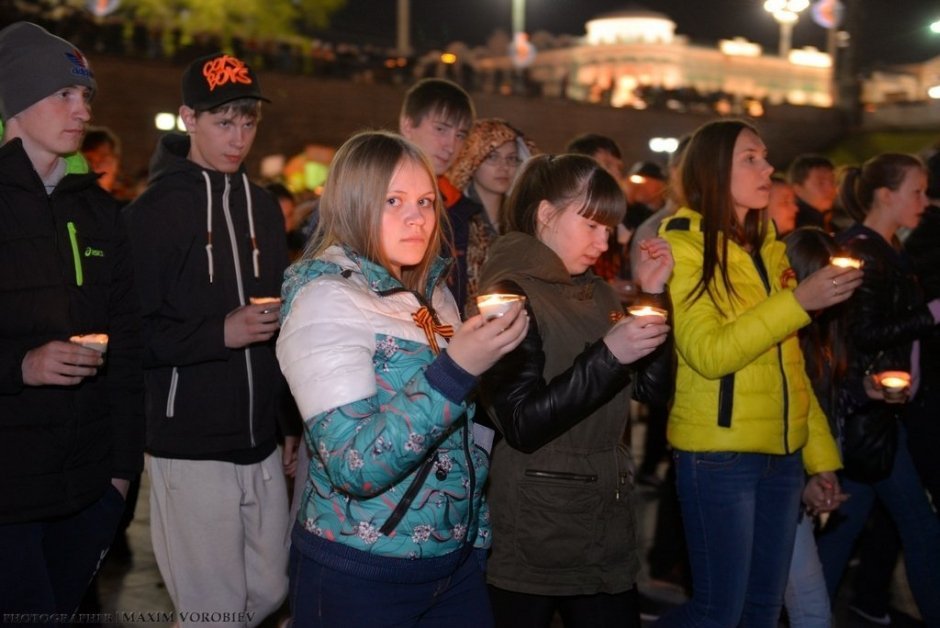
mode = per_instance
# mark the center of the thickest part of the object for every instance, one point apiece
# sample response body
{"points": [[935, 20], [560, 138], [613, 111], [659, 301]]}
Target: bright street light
{"points": [[786, 13], [663, 144], [935, 27]]}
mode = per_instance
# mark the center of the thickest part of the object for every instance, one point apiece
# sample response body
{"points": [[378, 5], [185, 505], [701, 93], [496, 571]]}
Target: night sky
{"points": [[892, 31]]}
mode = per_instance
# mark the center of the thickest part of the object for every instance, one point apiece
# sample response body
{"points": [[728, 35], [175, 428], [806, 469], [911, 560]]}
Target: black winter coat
{"points": [[885, 315], [65, 269]]}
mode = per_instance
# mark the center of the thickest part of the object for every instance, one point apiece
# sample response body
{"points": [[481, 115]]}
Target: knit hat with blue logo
{"points": [[35, 64]]}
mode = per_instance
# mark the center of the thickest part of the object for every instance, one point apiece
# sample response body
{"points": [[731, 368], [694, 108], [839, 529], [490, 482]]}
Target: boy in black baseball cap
{"points": [[71, 425], [207, 243]]}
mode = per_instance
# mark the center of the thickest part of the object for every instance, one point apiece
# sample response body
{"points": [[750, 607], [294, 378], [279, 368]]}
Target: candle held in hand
{"points": [[843, 261], [646, 310], [98, 342], [495, 305], [895, 385]]}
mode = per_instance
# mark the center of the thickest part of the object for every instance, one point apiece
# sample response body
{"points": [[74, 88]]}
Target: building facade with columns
{"points": [[636, 59]]}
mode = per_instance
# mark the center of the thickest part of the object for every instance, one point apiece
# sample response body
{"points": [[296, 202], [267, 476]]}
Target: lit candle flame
{"points": [[846, 262], [495, 305], [646, 310]]}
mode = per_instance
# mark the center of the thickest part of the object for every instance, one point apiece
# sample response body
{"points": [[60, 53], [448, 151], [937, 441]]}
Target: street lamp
{"points": [[786, 13]]}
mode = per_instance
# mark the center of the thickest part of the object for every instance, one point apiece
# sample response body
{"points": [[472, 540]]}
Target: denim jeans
{"points": [[807, 599], [740, 513], [47, 565], [903, 495], [325, 598]]}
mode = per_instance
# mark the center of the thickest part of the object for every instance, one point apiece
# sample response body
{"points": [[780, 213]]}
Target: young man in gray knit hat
{"points": [[71, 426]]}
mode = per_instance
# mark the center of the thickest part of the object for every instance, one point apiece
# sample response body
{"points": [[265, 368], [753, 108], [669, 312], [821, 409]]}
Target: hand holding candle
{"points": [[895, 385], [636, 336]]}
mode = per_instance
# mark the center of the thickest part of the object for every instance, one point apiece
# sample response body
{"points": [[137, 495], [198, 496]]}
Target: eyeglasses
{"points": [[495, 159]]}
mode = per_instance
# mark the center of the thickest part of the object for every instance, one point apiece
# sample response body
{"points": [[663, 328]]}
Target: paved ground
{"points": [[135, 594]]}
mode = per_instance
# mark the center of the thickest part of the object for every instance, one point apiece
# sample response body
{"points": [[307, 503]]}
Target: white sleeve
{"points": [[325, 349]]}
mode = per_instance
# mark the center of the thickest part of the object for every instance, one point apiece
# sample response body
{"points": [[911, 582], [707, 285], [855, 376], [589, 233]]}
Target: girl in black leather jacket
{"points": [[885, 319]]}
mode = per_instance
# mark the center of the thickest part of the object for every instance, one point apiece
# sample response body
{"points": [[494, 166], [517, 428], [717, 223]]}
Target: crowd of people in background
{"points": [[334, 418]]}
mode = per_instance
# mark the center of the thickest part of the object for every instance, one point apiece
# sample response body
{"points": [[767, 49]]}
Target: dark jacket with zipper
{"points": [[885, 315], [560, 485], [65, 269], [923, 248], [195, 257]]}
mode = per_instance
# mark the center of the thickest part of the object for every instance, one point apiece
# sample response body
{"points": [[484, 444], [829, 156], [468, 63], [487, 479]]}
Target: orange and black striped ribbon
{"points": [[425, 320]]}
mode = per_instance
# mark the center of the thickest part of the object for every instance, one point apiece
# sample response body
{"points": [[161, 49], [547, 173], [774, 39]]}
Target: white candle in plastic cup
{"points": [[646, 310], [894, 384], [495, 305], [98, 342], [844, 261], [272, 301]]}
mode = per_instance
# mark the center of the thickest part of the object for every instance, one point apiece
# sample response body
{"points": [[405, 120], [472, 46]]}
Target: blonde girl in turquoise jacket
{"points": [[393, 527], [744, 424]]}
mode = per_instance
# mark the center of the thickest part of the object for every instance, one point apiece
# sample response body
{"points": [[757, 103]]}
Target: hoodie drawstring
{"points": [[205, 175], [255, 251]]}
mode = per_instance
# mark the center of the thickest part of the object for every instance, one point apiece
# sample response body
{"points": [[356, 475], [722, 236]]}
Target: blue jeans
{"points": [[740, 512], [807, 599], [906, 501], [321, 597], [47, 565]]}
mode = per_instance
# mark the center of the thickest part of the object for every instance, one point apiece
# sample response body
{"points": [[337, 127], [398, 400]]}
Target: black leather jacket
{"points": [[886, 314], [923, 246], [541, 411]]}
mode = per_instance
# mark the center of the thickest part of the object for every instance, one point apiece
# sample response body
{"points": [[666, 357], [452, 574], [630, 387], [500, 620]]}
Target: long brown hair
{"points": [[823, 341], [354, 197], [705, 173]]}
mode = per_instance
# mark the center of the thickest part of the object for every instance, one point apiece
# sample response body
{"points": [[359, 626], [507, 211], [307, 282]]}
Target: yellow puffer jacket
{"points": [[741, 384]]}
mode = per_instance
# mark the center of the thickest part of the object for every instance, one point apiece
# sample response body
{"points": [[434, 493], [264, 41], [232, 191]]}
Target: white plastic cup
{"points": [[98, 342], [496, 305]]}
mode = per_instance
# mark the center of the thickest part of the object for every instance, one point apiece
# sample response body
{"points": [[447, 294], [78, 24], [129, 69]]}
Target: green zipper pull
{"points": [[76, 255]]}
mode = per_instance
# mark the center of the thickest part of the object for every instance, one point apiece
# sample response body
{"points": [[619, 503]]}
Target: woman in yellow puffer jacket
{"points": [[744, 423]]}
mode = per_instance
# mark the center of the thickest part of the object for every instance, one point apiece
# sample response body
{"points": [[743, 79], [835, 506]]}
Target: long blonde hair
{"points": [[354, 197]]}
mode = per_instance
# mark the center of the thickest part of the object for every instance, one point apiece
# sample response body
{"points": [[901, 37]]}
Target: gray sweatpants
{"points": [[218, 531]]}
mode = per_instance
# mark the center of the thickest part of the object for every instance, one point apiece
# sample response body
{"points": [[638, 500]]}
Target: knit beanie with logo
{"points": [[35, 64]]}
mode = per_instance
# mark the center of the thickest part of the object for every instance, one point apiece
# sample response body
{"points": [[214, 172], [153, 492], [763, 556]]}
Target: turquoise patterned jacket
{"points": [[376, 403]]}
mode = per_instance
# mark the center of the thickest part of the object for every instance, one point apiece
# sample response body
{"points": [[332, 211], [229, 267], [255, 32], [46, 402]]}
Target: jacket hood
{"points": [[342, 260], [485, 136], [172, 157], [19, 171], [516, 254]]}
